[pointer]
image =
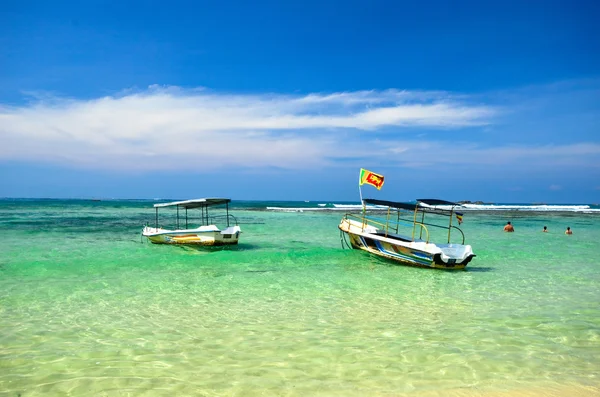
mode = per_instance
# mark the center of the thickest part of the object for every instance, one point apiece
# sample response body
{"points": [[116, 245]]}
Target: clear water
{"points": [[87, 309]]}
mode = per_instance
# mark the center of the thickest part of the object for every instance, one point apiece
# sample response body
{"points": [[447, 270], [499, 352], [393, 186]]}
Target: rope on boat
{"points": [[343, 240]]}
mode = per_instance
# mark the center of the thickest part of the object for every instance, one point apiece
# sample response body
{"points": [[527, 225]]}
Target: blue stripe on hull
{"points": [[411, 256]]}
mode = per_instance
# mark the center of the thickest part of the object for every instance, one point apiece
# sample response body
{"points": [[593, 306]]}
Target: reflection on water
{"points": [[479, 269]]}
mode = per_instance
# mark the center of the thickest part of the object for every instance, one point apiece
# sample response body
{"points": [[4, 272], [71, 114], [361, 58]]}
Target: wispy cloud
{"points": [[174, 128], [168, 126], [524, 157]]}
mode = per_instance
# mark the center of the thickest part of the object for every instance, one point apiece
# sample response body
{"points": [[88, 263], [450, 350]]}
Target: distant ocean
{"points": [[88, 308]]}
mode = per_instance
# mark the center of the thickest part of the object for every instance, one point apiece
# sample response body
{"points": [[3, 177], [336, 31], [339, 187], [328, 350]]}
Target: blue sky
{"points": [[494, 101]]}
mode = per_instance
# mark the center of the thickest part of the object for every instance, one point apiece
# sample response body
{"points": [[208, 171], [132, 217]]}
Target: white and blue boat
{"points": [[214, 228], [401, 232]]}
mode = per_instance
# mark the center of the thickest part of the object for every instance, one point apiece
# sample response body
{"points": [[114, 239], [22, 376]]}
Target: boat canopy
{"points": [[393, 204], [416, 206], [437, 202], [196, 203]]}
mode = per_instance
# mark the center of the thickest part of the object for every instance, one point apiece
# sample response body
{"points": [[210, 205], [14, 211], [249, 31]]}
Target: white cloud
{"points": [[168, 127], [523, 157], [171, 128]]}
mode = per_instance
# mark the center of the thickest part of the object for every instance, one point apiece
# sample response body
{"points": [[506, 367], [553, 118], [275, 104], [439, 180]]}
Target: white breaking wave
{"points": [[322, 207], [520, 207], [290, 209], [357, 207], [543, 207], [347, 206], [463, 207]]}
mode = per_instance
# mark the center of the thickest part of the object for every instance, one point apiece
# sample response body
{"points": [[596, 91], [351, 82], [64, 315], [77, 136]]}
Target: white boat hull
{"points": [[204, 235], [405, 251]]}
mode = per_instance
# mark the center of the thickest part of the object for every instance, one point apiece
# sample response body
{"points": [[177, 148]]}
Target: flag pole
{"points": [[360, 191]]}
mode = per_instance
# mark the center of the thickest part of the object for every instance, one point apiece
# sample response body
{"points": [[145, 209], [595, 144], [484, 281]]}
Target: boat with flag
{"points": [[417, 234], [205, 233]]}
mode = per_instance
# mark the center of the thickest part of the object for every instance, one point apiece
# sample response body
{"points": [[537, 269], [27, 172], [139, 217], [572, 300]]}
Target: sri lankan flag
{"points": [[371, 178], [459, 217]]}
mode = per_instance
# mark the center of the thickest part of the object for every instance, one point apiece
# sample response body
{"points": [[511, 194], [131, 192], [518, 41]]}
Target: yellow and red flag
{"points": [[371, 178]]}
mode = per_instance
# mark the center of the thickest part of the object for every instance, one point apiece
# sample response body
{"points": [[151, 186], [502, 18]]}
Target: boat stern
{"points": [[453, 256]]}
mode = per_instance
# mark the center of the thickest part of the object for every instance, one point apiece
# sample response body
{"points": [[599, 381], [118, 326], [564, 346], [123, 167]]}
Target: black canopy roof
{"points": [[196, 203], [412, 207], [436, 202], [393, 204]]}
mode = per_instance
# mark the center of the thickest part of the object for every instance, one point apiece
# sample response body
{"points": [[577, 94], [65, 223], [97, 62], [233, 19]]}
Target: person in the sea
{"points": [[509, 227], [568, 231], [545, 229]]}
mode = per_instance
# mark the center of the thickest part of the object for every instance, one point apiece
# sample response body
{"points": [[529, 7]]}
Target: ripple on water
{"points": [[90, 312]]}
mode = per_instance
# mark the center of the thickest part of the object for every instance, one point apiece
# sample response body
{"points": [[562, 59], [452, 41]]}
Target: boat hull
{"points": [[404, 252], [194, 237]]}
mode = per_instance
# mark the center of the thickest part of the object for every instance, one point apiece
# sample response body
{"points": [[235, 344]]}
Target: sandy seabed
{"points": [[554, 391]]}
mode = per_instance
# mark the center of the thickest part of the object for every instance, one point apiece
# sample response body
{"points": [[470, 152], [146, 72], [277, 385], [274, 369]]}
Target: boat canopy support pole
{"points": [[177, 217], [450, 223], [387, 221], [415, 222], [156, 218], [186, 223], [227, 209]]}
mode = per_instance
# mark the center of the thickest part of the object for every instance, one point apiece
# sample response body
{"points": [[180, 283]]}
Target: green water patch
{"points": [[88, 307]]}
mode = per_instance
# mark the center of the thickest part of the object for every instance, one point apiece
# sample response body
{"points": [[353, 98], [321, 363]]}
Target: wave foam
{"points": [[464, 207], [523, 207]]}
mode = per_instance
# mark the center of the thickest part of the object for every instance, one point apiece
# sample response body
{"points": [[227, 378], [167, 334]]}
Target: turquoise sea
{"points": [[87, 308]]}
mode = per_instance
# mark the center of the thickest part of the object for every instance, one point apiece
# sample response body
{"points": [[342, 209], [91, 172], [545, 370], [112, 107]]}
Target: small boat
{"points": [[207, 233], [399, 231]]}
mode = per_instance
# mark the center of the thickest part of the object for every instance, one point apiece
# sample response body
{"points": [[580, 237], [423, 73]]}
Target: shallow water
{"points": [[87, 309]]}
